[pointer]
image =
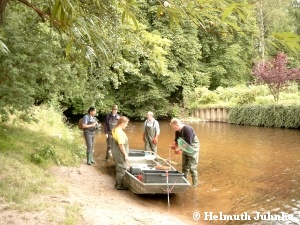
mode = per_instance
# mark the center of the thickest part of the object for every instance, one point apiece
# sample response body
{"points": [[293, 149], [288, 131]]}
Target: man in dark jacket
{"points": [[186, 134], [111, 121]]}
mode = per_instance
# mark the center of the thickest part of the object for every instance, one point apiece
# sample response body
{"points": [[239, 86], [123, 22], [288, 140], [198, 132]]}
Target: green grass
{"points": [[72, 214], [27, 150], [20, 180]]}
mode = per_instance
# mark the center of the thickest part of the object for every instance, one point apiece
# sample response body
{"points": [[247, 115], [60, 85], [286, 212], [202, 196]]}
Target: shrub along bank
{"points": [[250, 105], [27, 149], [287, 116]]}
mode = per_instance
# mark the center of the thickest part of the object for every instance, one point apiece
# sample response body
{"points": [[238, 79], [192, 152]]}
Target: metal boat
{"points": [[148, 173]]}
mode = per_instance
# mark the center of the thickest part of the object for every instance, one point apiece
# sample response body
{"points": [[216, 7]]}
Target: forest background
{"points": [[163, 56]]}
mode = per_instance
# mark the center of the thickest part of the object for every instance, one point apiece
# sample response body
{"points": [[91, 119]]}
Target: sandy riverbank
{"points": [[92, 198]]}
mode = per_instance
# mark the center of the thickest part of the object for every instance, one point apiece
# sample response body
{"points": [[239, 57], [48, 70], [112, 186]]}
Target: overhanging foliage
{"points": [[138, 54]]}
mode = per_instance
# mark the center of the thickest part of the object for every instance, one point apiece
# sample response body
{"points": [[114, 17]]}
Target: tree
{"points": [[84, 21], [227, 57], [139, 54], [53, 42], [295, 12], [277, 27], [35, 72], [275, 74], [143, 81], [3, 47]]}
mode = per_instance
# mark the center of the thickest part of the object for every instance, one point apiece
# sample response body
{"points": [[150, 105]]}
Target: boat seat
{"points": [[136, 153], [135, 170], [158, 176]]}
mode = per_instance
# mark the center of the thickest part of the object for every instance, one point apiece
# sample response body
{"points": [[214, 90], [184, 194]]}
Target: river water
{"points": [[242, 169]]}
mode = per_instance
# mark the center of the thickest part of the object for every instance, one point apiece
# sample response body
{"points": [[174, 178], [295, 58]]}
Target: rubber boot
{"points": [[88, 159], [92, 159], [107, 154], [195, 181], [119, 185]]}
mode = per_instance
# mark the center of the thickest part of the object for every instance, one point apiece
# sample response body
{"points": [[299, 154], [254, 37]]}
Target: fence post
{"points": [[211, 114]]}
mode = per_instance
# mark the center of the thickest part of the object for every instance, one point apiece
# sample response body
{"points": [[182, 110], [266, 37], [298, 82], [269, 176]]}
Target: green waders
{"points": [[150, 133], [190, 162], [120, 163]]}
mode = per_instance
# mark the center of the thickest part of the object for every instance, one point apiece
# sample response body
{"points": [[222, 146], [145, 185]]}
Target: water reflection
{"points": [[241, 169]]}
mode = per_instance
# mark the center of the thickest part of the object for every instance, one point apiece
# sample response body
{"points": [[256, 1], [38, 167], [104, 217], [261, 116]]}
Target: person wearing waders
{"points": [[110, 123], [189, 160], [151, 133], [120, 150], [89, 125]]}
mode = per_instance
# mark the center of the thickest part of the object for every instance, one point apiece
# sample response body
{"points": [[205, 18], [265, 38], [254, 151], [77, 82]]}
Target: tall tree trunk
{"points": [[3, 4], [262, 29]]}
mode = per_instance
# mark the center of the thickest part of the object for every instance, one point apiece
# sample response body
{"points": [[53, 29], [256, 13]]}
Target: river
{"points": [[242, 169]]}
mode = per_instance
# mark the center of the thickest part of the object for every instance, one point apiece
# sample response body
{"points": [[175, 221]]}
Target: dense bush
{"points": [[45, 154], [202, 97], [246, 98], [266, 115], [209, 97]]}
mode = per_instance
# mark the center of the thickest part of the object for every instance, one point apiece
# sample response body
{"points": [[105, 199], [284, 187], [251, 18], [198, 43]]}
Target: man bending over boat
{"points": [[186, 142], [120, 150]]}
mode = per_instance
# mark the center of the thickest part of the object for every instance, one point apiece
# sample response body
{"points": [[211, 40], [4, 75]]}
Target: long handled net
{"points": [[185, 146]]}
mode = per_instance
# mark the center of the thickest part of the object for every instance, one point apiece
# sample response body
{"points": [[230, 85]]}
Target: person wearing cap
{"points": [[111, 121], [189, 160], [151, 133], [89, 125]]}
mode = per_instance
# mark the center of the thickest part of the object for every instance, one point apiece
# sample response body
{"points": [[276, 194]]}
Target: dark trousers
{"points": [[89, 139]]}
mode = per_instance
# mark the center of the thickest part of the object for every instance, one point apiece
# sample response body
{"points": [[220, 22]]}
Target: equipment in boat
{"points": [[147, 173]]}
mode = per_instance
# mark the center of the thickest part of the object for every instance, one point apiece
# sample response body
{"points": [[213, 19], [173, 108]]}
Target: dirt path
{"points": [[92, 198], [100, 203]]}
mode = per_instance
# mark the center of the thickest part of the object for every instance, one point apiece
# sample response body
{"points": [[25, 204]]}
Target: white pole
{"points": [[168, 190]]}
